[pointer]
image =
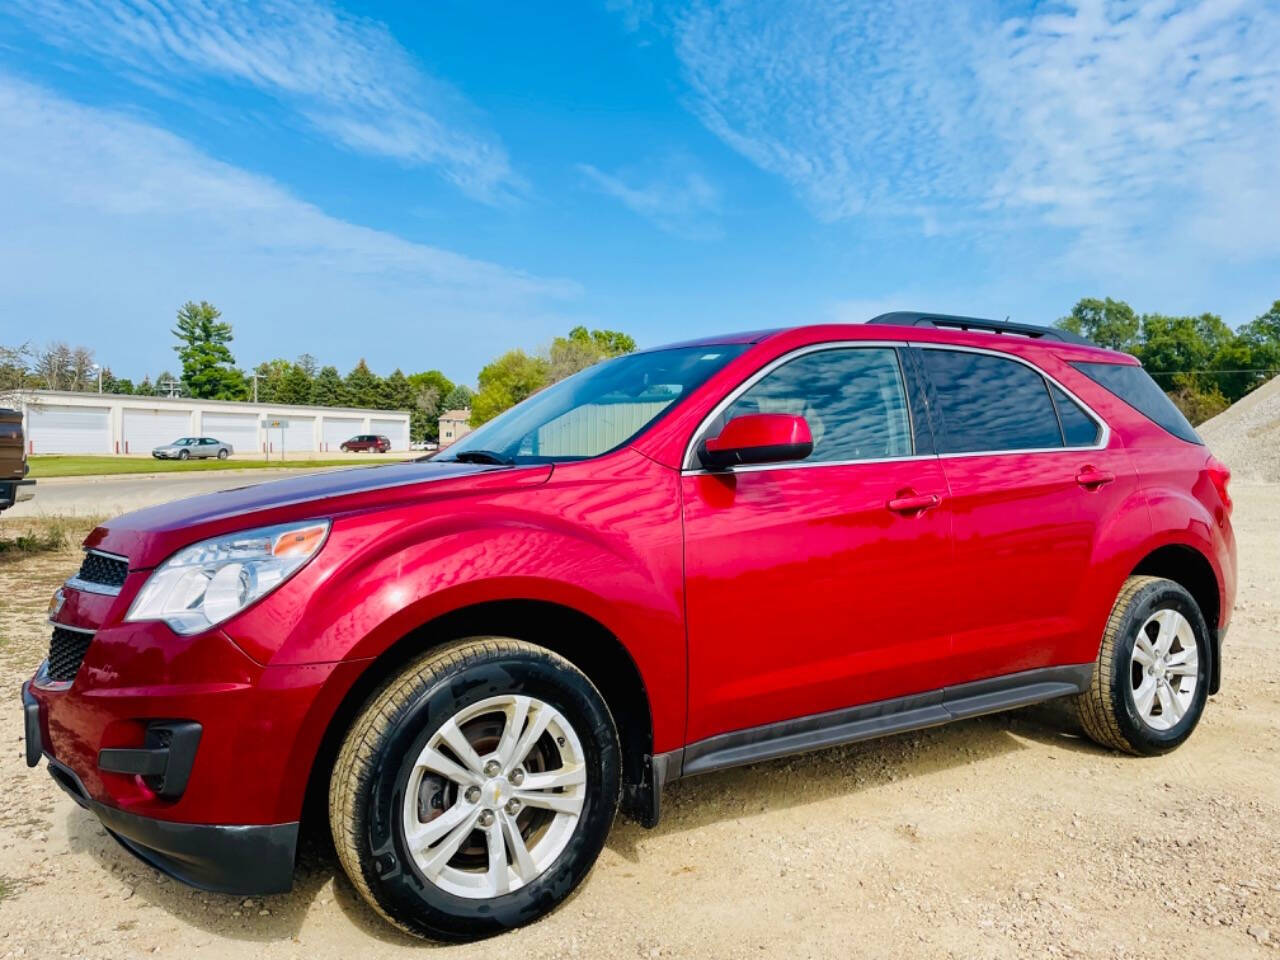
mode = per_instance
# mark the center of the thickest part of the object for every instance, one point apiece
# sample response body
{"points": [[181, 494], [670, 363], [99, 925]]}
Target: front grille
{"points": [[66, 652], [102, 569]]}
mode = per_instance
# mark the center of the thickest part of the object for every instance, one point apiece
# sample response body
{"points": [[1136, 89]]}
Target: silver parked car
{"points": [[188, 447]]}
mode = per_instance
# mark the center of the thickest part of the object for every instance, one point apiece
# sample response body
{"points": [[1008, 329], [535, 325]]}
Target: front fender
{"points": [[605, 542]]}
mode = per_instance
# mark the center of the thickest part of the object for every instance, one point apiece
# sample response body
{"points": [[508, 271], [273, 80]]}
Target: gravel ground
{"points": [[1246, 436], [1007, 836]]}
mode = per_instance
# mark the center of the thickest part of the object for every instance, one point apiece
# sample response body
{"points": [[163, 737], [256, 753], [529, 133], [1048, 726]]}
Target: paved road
{"points": [[112, 496]]}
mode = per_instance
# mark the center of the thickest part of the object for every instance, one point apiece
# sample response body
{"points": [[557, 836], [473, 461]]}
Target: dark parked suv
{"points": [[367, 443], [671, 563], [14, 485]]}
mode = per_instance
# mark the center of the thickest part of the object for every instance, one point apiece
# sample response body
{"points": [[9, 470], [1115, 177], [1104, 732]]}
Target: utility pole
{"points": [[172, 386], [255, 388]]}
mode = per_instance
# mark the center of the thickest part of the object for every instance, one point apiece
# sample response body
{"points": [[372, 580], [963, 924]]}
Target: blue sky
{"points": [[429, 184]]}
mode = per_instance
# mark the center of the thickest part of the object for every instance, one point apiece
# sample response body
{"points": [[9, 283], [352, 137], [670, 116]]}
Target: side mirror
{"points": [[757, 438]]}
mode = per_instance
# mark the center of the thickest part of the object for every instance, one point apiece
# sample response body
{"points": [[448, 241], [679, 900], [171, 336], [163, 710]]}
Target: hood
{"points": [[147, 536]]}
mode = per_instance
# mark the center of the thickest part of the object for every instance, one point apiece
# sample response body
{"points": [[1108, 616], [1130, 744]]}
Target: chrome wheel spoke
{"points": [[439, 856], [570, 803], [1166, 620], [1184, 663], [524, 864], [564, 777], [452, 734], [538, 723], [1143, 652], [517, 713], [496, 878], [1169, 705], [437, 762], [1145, 696], [431, 831]]}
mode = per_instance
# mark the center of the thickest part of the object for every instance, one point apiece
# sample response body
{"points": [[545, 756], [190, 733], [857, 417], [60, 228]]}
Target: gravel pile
{"points": [[1246, 436]]}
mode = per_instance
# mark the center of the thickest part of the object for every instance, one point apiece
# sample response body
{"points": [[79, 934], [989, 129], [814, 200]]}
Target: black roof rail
{"points": [[908, 319]]}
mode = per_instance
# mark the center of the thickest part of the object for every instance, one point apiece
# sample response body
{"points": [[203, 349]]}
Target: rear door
{"points": [[1034, 478], [810, 585]]}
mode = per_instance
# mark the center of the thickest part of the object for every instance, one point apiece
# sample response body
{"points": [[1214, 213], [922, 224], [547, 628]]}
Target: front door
{"points": [[810, 586]]}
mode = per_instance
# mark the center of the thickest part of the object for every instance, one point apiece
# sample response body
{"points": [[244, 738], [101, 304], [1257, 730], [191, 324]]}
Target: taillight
{"points": [[1220, 474]]}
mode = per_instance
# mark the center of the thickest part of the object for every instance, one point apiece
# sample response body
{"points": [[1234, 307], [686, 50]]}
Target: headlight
{"points": [[208, 582]]}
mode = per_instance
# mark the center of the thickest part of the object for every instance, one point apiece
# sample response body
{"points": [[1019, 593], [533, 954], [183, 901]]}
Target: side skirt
{"points": [[884, 717]]}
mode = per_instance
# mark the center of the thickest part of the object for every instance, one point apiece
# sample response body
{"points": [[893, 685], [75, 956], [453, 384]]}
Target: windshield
{"points": [[595, 410], [184, 442]]}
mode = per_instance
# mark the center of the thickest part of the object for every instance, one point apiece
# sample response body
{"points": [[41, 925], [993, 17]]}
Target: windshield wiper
{"points": [[482, 456]]}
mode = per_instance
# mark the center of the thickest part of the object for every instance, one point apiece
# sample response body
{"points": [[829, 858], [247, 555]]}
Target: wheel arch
{"points": [[579, 638], [1188, 567]]}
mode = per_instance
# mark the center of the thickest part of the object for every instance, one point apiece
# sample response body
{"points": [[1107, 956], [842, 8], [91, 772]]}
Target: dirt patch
{"points": [[1007, 836]]}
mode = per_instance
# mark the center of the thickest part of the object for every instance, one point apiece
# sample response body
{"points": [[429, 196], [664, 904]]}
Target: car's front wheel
{"points": [[475, 789], [1151, 678], [183, 455]]}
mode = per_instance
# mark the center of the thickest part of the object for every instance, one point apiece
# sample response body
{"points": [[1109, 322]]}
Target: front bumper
{"points": [[237, 859], [240, 860]]}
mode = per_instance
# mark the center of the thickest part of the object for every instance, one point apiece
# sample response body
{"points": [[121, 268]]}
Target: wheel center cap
{"points": [[495, 792]]}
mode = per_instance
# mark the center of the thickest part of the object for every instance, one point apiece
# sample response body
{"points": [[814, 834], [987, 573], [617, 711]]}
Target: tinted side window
{"points": [[852, 398], [989, 403], [1135, 387], [1078, 428]]}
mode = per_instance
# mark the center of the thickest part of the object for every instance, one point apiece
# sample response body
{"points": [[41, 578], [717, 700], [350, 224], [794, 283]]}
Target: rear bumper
{"points": [[16, 491], [240, 860]]}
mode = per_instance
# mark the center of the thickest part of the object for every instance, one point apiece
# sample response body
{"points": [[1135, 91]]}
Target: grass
{"points": [[43, 535], [74, 466]]}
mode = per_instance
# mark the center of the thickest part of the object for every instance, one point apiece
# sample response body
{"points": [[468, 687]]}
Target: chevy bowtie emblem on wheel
{"points": [[56, 602]]}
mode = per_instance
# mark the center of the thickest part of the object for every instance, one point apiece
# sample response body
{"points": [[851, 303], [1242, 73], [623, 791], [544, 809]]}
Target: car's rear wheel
{"points": [[1151, 678], [475, 789], [222, 454]]}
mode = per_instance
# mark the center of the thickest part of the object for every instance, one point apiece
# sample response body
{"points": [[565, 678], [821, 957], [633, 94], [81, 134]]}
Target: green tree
{"points": [[122, 385], [328, 390], [396, 393], [270, 375], [145, 389], [364, 387], [295, 385], [1109, 323], [582, 349], [505, 382], [460, 397], [208, 368]]}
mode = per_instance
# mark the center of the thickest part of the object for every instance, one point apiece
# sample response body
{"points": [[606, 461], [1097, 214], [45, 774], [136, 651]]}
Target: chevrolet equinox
{"points": [[673, 562]]}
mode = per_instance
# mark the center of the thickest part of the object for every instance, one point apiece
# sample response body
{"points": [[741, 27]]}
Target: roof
{"points": [[456, 415]]}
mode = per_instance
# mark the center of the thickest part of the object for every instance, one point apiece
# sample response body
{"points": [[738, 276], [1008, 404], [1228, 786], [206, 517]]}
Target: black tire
{"points": [[183, 455], [373, 767], [1107, 710], [222, 454]]}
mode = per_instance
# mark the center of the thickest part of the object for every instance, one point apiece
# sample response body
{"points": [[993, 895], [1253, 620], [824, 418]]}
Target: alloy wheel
{"points": [[1164, 669]]}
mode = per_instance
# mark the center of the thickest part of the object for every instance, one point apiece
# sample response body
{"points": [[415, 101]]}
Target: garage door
{"points": [[397, 431], [69, 429], [338, 430], [147, 429], [300, 434], [238, 429]]}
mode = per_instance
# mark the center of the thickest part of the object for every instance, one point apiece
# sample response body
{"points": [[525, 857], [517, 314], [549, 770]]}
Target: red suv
{"points": [[367, 443], [673, 562]]}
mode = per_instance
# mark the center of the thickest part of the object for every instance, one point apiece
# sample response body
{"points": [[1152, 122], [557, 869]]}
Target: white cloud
{"points": [[348, 76], [1137, 128], [677, 200], [110, 223]]}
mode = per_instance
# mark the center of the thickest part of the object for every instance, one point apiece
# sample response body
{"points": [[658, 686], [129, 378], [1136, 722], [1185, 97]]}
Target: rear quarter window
{"points": [[1135, 387]]}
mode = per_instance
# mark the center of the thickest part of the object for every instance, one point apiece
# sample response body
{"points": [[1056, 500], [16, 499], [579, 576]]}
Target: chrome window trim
{"points": [[691, 467]]}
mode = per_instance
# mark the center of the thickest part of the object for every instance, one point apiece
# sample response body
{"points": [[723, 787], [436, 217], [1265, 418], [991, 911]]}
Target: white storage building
{"points": [[56, 421]]}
